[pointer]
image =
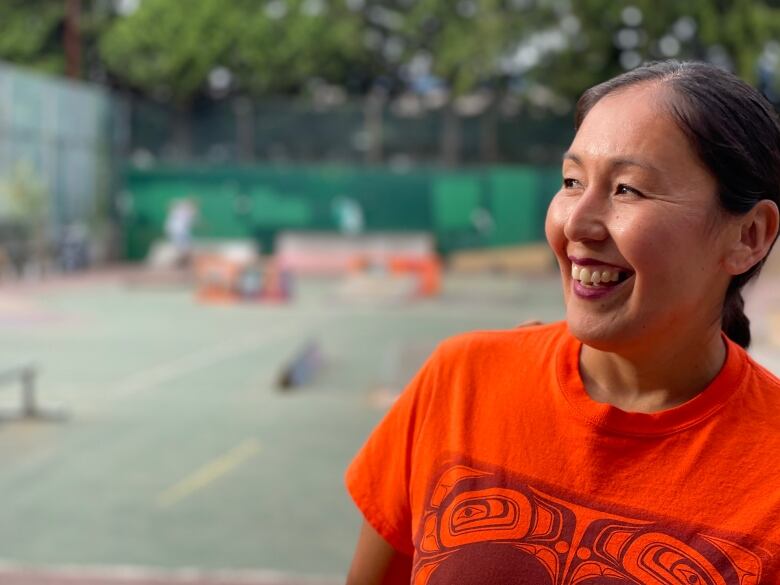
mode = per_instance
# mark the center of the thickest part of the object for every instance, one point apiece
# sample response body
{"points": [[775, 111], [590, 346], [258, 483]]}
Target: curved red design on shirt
{"points": [[493, 527]]}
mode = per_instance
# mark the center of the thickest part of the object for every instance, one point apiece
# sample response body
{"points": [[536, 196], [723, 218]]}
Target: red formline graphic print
{"points": [[495, 528]]}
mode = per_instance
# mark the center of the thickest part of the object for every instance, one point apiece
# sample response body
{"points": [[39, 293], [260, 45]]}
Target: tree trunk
{"points": [[182, 131], [72, 40], [451, 137], [488, 132], [244, 111], [374, 125]]}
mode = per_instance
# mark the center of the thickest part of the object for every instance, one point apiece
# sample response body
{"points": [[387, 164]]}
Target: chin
{"points": [[596, 333]]}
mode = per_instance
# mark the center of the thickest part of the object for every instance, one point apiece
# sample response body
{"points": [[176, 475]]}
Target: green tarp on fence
{"points": [[488, 207]]}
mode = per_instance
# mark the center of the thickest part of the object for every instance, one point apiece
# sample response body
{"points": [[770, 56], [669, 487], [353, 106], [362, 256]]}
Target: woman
{"points": [[636, 442]]}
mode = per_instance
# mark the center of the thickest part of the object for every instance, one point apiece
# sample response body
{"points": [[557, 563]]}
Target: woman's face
{"points": [[637, 208]]}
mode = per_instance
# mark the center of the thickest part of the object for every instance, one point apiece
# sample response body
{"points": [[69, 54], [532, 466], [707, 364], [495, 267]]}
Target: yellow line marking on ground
{"points": [[208, 473]]}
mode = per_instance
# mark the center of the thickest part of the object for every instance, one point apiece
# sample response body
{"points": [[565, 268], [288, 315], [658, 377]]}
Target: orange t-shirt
{"points": [[495, 466]]}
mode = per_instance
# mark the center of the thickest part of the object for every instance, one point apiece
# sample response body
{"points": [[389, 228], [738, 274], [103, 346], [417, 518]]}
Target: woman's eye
{"points": [[623, 189], [570, 183]]}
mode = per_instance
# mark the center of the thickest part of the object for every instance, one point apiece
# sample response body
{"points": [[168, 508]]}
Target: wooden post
{"points": [[244, 112], [73, 38], [374, 124]]}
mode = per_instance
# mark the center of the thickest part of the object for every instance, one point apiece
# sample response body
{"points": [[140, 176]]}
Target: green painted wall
{"points": [[496, 206]]}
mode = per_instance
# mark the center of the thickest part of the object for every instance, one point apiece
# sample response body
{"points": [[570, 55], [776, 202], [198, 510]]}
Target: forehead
{"points": [[635, 124]]}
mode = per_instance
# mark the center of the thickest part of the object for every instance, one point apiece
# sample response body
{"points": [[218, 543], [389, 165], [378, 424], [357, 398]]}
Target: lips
{"points": [[594, 262], [593, 278]]}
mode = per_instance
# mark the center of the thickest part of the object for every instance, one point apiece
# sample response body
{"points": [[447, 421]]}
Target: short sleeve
{"points": [[378, 479]]}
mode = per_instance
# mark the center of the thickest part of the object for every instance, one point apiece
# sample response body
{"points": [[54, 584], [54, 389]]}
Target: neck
{"points": [[653, 379]]}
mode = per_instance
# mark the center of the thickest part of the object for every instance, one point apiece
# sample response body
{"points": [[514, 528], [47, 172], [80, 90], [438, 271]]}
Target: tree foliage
{"points": [[167, 49], [267, 49], [615, 36], [30, 34], [467, 39], [278, 50]]}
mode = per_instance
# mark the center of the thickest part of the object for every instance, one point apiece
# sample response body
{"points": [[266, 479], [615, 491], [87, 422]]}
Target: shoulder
{"points": [[493, 359], [764, 381], [519, 343], [765, 377], [760, 402]]}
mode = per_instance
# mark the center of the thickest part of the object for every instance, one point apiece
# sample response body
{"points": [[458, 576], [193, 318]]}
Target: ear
{"points": [[757, 231]]}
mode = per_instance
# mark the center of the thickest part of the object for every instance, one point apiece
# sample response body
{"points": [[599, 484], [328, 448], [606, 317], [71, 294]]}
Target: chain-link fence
{"points": [[56, 170], [397, 132]]}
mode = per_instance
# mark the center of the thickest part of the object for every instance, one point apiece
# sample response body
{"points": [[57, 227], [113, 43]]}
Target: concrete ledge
{"points": [[131, 575], [531, 258]]}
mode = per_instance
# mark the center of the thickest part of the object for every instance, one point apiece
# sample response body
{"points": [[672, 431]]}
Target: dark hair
{"points": [[736, 134]]}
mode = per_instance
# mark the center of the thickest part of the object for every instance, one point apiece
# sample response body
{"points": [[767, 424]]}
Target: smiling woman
{"points": [[634, 442]]}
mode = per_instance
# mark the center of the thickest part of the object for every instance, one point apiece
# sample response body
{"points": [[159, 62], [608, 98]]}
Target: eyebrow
{"points": [[616, 162]]}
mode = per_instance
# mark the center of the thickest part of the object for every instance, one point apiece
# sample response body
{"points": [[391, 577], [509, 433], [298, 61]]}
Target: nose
{"points": [[587, 217]]}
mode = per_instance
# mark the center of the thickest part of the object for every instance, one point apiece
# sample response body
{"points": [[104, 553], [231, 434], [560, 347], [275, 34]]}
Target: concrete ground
{"points": [[178, 450], [179, 460]]}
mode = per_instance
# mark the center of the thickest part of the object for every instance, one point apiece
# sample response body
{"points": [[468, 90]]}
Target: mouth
{"points": [[592, 279]]}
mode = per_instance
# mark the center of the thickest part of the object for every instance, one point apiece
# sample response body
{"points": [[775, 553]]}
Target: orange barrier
{"points": [[225, 280], [427, 270], [217, 278]]}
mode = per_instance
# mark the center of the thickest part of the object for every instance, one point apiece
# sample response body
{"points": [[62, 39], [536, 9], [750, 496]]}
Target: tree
{"points": [[464, 42], [260, 49], [165, 53], [168, 55], [280, 47], [612, 37], [30, 34]]}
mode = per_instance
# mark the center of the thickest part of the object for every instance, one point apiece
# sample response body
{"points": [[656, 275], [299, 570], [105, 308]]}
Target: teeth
{"points": [[595, 277]]}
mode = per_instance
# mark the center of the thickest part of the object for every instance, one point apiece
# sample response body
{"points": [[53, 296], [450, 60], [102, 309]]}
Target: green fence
{"points": [[301, 131], [489, 207]]}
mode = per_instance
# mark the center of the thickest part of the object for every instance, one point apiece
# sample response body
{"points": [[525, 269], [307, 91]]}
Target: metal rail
{"points": [[27, 376]]}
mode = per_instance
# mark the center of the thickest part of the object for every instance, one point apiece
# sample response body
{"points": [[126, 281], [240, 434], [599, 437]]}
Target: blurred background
{"points": [[232, 230]]}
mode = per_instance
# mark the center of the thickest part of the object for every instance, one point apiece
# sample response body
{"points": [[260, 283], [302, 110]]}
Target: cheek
{"points": [[554, 224], [654, 250], [638, 240]]}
